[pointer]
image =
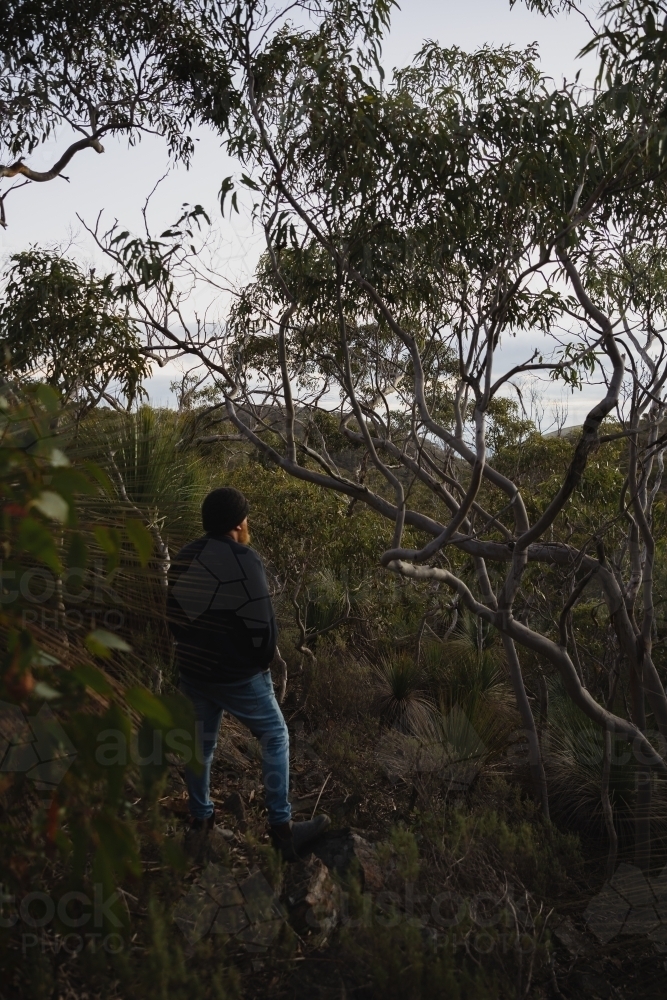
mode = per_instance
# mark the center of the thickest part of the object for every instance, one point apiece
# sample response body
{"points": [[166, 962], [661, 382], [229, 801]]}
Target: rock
{"points": [[630, 883], [606, 913], [219, 903], [313, 900], [629, 903], [259, 937], [592, 983], [569, 936], [659, 937], [641, 920], [230, 920], [659, 887], [342, 851], [265, 914], [317, 980], [366, 855], [218, 842]]}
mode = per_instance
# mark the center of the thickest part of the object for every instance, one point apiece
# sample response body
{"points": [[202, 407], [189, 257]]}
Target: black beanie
{"points": [[223, 510]]}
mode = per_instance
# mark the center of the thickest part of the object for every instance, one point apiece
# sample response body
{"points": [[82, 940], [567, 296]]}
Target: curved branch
{"points": [[589, 436], [39, 176], [420, 555], [571, 601], [545, 647]]}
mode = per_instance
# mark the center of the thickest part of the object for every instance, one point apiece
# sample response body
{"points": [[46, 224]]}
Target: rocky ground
{"points": [[289, 928], [421, 888]]}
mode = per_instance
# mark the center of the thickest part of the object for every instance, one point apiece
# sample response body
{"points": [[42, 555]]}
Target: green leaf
{"points": [[77, 553], [35, 538], [226, 186], [52, 505], [59, 459], [71, 481], [141, 539], [43, 659], [117, 853], [45, 691], [173, 855], [48, 397], [183, 722], [108, 540], [93, 678], [249, 182], [115, 723], [152, 760], [101, 476], [100, 643], [180, 709], [149, 705]]}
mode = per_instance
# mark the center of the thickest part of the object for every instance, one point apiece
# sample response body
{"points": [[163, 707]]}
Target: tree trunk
{"points": [[537, 773], [606, 804], [643, 780]]}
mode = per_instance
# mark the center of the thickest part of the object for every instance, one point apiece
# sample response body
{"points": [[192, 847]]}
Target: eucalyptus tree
{"points": [[78, 73], [63, 326], [411, 229]]}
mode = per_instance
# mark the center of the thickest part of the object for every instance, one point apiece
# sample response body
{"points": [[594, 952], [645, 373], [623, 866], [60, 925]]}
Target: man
{"points": [[220, 614]]}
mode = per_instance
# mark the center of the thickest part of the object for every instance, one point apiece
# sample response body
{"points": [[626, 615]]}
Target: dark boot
{"points": [[290, 838], [196, 835]]}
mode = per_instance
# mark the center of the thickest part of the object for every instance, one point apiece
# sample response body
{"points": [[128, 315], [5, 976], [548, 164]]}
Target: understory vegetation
{"points": [[404, 729]]}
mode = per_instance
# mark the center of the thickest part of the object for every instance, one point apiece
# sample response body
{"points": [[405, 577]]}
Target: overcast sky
{"points": [[118, 181]]}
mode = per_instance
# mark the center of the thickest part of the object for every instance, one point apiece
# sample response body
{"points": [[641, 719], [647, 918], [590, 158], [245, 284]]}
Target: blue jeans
{"points": [[253, 703]]}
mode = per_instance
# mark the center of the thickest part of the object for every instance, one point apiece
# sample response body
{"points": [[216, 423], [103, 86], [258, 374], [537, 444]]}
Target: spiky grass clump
{"points": [[152, 480], [469, 665], [475, 732], [572, 748], [471, 720], [325, 603], [453, 746], [401, 701], [453, 737]]}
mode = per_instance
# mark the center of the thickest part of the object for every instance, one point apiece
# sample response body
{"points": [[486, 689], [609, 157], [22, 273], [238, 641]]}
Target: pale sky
{"points": [[118, 181]]}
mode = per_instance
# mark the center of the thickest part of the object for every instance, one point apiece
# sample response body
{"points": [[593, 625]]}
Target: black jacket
{"points": [[220, 611]]}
